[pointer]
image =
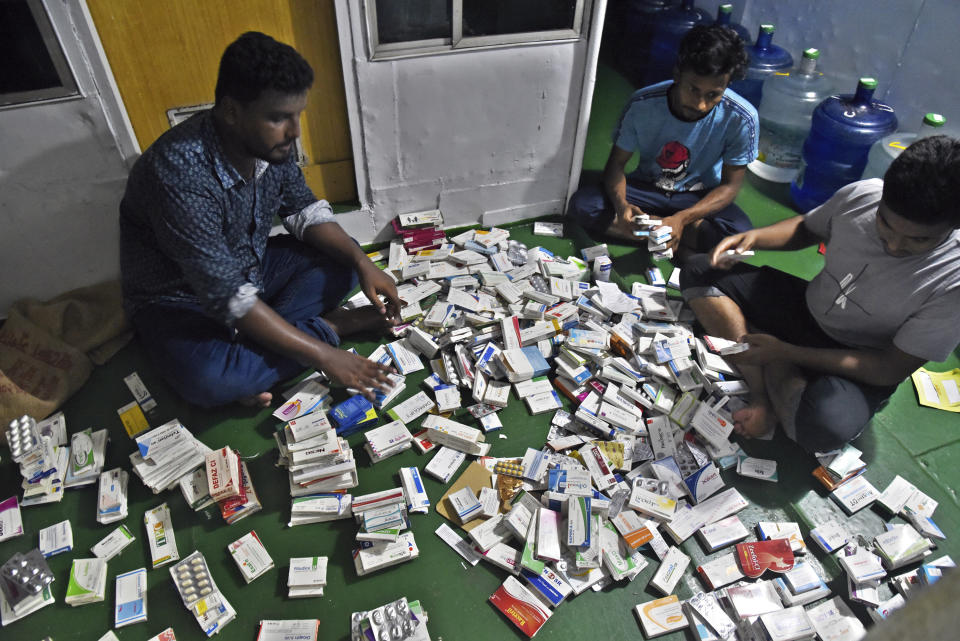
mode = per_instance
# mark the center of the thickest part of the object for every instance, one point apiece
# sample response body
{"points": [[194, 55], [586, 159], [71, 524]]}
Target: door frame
{"points": [[81, 44]]}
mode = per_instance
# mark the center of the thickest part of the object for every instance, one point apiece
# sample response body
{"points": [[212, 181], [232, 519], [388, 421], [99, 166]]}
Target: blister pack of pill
{"points": [[23, 438], [394, 621], [192, 578], [24, 576]]}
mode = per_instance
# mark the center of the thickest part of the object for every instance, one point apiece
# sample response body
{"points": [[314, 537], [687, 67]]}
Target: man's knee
{"points": [[208, 384], [205, 370], [726, 222], [699, 278], [588, 207], [833, 411]]}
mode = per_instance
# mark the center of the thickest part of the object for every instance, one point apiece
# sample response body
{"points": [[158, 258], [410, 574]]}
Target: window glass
{"points": [[410, 21], [32, 65], [495, 17]]}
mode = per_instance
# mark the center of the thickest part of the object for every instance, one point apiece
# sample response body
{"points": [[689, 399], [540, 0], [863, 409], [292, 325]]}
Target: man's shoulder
{"points": [[736, 107], [854, 197], [180, 154], [649, 96]]}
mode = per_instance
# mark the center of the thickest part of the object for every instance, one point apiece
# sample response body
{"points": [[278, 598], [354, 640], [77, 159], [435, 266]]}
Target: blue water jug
{"points": [[725, 18], [835, 153], [669, 29], [765, 59], [639, 22]]}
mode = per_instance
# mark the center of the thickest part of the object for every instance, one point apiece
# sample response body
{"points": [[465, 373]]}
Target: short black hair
{"points": [[922, 184], [712, 50], [255, 62]]}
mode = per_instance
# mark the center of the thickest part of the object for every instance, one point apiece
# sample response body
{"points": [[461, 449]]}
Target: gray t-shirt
{"points": [[866, 298]]}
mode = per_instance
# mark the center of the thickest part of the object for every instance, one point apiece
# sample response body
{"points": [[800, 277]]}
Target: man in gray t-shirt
{"points": [[832, 350]]}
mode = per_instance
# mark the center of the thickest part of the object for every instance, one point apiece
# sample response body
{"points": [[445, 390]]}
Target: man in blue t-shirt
{"points": [[694, 138]]}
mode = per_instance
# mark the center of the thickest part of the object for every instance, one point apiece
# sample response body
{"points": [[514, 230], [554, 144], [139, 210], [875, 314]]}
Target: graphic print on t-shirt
{"points": [[846, 286], [674, 160]]}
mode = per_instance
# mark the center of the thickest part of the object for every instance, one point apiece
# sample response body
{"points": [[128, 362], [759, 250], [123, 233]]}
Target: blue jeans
{"points": [[208, 364], [591, 207]]}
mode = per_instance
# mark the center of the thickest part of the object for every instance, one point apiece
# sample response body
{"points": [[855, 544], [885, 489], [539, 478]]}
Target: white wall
{"points": [[62, 173], [909, 46], [484, 135]]}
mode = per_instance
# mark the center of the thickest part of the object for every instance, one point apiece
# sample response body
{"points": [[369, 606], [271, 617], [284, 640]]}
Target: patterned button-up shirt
{"points": [[193, 231]]}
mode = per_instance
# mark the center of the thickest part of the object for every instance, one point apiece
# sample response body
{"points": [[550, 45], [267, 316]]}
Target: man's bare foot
{"points": [[257, 400], [754, 420], [353, 321]]}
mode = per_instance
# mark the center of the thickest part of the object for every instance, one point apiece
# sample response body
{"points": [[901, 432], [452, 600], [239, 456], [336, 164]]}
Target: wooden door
{"points": [[165, 54]]}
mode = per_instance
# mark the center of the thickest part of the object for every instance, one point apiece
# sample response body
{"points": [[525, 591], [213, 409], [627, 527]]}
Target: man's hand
{"points": [[676, 225], [764, 349], [374, 282], [624, 224], [738, 242], [357, 372]]}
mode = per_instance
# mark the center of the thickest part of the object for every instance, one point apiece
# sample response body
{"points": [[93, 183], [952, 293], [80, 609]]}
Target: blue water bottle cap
{"points": [[868, 83]]}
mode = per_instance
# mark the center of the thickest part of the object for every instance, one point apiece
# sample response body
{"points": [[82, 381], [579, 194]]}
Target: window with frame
{"points": [[32, 64], [400, 28]]}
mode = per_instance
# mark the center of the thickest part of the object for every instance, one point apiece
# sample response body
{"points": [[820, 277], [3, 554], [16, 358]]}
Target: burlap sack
{"points": [[48, 349]]}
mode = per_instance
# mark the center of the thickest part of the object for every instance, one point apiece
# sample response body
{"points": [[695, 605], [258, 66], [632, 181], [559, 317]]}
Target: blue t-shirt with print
{"points": [[676, 155]]}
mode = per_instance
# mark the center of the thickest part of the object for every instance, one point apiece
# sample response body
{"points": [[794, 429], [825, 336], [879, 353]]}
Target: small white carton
{"points": [[661, 616], [671, 569]]}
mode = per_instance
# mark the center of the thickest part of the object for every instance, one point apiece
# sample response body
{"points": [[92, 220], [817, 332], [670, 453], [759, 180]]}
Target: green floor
{"points": [[915, 442]]}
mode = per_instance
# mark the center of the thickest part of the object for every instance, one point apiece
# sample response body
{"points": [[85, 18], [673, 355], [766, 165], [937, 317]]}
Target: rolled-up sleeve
{"points": [[241, 302], [315, 213], [299, 208]]}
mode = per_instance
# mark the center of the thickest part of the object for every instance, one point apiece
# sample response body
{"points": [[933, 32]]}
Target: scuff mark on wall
{"points": [[396, 121]]}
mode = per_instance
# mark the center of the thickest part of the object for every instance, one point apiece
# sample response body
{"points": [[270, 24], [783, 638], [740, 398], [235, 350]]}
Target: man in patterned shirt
{"points": [[224, 311]]}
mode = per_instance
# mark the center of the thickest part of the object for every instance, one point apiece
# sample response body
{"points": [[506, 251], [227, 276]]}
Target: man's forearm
{"points": [[715, 200], [336, 243], [270, 330], [872, 367], [786, 235], [265, 327], [615, 184]]}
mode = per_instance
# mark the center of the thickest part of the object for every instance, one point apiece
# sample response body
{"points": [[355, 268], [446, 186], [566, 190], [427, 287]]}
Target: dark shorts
{"points": [[833, 410]]}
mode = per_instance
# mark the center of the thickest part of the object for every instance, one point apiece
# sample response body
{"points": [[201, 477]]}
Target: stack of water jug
{"points": [[810, 137]]}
